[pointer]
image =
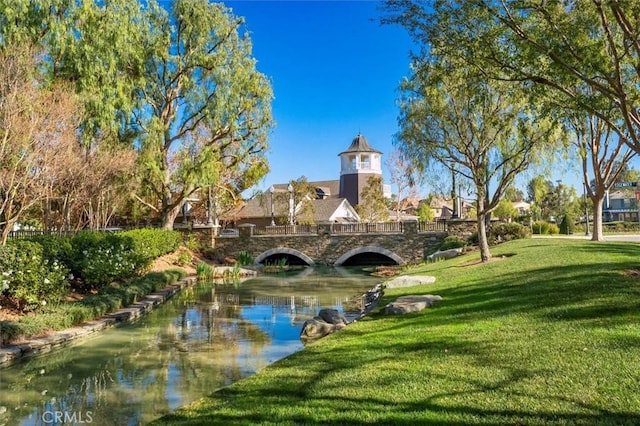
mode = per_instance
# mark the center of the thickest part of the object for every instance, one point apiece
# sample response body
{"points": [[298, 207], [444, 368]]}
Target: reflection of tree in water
{"points": [[197, 342]]}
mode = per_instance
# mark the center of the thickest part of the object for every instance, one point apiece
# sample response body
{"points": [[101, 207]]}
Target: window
{"points": [[366, 162]]}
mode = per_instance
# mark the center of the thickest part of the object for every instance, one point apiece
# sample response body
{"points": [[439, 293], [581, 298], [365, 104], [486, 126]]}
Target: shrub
{"points": [[183, 258], [244, 258], [545, 228], [100, 258], [452, 242], [152, 243], [567, 226], [66, 314], [510, 231], [29, 277]]}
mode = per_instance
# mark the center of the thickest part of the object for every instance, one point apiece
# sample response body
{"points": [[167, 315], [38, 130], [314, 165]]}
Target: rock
{"points": [[407, 304], [445, 254], [332, 316], [409, 281], [316, 328]]}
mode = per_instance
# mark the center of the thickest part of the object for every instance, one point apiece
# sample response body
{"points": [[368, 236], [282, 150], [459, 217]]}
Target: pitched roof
{"points": [[330, 188], [261, 208], [324, 209], [359, 144]]}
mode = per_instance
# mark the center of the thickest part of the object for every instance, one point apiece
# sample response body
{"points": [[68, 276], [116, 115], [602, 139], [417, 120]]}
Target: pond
{"points": [[206, 337]]}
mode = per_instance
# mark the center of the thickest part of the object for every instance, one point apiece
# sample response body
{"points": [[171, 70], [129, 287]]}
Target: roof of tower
{"points": [[360, 144]]}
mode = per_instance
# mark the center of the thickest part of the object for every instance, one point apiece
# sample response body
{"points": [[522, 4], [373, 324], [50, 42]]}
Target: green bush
{"points": [[29, 277], [66, 314], [567, 225], [510, 231], [150, 244], [100, 258], [545, 228], [452, 242]]}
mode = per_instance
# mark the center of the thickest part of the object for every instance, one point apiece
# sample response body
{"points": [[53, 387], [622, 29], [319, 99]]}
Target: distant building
{"points": [[620, 206], [358, 163], [443, 208], [335, 200], [522, 207]]}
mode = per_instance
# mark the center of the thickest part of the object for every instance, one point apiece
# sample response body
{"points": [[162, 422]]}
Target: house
{"points": [[522, 207], [261, 211], [443, 207], [335, 200], [620, 206]]}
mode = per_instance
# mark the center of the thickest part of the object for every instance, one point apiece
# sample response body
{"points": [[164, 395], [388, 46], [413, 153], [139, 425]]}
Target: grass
{"points": [[549, 334]]}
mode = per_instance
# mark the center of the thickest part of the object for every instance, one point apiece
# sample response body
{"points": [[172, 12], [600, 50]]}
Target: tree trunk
{"points": [[8, 227], [597, 234], [169, 215], [485, 254]]}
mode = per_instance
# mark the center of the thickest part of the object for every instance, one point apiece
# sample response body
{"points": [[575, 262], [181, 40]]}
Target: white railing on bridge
{"points": [[348, 228], [379, 227], [438, 226], [287, 230]]}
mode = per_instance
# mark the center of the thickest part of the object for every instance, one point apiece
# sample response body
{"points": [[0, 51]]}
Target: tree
{"points": [[95, 47], [584, 52], [299, 200], [37, 124], [602, 153], [513, 194], [204, 107], [425, 213], [401, 175], [373, 207], [452, 118], [506, 211]]}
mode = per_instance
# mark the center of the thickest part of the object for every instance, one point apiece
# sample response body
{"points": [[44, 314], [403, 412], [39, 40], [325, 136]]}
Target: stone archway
{"points": [[285, 250], [369, 249]]}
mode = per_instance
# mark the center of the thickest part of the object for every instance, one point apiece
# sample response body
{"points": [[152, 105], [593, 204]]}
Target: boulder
{"points": [[332, 316], [408, 304], [445, 254], [316, 328], [409, 281]]}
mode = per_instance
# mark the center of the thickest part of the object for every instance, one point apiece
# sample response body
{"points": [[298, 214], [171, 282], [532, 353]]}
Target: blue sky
{"points": [[335, 72]]}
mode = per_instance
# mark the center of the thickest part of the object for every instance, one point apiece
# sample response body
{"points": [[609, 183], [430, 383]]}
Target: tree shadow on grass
{"points": [[323, 385], [300, 391]]}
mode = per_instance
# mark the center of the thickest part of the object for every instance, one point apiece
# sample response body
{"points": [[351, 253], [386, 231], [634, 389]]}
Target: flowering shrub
{"points": [[108, 259], [30, 278], [100, 258]]}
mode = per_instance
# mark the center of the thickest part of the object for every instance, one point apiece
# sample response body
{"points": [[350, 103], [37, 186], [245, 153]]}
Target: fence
{"points": [[24, 233], [439, 226], [362, 228], [349, 228], [287, 230]]}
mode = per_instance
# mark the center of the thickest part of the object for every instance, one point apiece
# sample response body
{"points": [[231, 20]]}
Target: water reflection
{"points": [[206, 337]]}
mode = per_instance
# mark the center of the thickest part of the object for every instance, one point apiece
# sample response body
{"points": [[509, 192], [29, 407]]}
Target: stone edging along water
{"points": [[59, 339]]}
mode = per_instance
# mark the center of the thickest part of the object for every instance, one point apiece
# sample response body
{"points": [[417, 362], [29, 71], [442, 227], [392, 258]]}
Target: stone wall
{"points": [[326, 248], [462, 228]]}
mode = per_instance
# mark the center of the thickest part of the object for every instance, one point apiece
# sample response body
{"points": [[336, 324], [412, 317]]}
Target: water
{"points": [[206, 337]]}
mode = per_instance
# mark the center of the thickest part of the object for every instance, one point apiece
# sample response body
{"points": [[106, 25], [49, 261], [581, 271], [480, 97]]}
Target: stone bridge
{"points": [[396, 243]]}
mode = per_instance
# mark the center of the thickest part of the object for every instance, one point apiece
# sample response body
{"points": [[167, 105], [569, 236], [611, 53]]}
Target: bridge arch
{"points": [[369, 249], [285, 250]]}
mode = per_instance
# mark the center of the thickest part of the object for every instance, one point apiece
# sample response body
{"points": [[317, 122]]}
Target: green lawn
{"points": [[550, 334]]}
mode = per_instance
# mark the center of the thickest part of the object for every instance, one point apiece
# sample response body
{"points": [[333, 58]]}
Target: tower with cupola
{"points": [[357, 163]]}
